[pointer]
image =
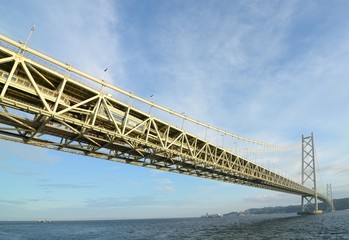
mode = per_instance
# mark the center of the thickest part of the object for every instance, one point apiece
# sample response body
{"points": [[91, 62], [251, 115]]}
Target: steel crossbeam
{"points": [[43, 105]]}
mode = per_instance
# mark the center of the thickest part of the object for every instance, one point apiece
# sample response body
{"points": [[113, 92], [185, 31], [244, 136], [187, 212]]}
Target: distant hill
{"points": [[339, 204]]}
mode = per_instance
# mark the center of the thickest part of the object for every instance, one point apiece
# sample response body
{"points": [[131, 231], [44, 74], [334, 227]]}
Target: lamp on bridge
{"points": [[103, 80], [151, 106]]}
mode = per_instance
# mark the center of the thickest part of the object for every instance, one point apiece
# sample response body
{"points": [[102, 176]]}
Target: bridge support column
{"points": [[309, 176], [330, 206]]}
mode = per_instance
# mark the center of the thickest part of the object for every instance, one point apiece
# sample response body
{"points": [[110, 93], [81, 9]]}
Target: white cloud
{"points": [[9, 150], [83, 35], [164, 185], [269, 199], [66, 186]]}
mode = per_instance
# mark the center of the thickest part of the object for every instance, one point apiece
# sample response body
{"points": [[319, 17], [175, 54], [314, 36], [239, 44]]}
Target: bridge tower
{"points": [[309, 176], [330, 207]]}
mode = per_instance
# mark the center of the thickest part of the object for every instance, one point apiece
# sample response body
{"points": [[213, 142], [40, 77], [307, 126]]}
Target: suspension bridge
{"points": [[50, 104]]}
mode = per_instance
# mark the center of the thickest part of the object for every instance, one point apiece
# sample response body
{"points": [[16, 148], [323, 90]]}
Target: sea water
{"points": [[333, 225]]}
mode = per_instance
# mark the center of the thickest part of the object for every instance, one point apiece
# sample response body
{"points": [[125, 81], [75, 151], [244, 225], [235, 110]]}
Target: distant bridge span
{"points": [[44, 103]]}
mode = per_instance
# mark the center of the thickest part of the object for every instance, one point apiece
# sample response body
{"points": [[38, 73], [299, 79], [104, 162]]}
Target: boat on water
{"points": [[44, 221], [216, 215]]}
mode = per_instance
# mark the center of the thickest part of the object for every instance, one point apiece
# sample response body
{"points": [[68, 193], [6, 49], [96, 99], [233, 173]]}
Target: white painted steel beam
{"points": [[64, 114]]}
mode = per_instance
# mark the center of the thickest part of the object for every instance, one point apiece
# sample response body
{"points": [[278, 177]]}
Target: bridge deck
{"points": [[43, 104]]}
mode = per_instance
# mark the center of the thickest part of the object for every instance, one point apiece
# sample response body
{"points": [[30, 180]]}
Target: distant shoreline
{"points": [[340, 204]]}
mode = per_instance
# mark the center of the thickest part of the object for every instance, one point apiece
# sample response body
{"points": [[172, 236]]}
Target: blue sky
{"points": [[267, 70]]}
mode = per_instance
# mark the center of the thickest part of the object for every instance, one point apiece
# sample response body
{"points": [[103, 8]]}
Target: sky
{"points": [[266, 70]]}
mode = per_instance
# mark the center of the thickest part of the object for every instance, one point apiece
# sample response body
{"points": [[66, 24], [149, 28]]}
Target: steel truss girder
{"points": [[69, 116]]}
